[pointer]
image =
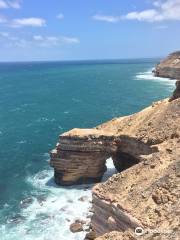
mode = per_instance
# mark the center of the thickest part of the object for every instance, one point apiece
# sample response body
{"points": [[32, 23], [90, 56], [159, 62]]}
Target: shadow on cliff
{"points": [[110, 171], [51, 183]]}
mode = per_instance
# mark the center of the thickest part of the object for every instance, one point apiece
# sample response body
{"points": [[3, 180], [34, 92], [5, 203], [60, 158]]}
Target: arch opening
{"points": [[123, 161]]}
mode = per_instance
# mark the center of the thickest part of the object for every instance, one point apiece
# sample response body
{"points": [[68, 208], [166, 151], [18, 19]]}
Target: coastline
{"points": [[140, 145], [47, 205]]}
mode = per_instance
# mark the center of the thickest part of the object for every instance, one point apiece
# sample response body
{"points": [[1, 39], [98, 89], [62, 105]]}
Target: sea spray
{"points": [[48, 215], [148, 75]]}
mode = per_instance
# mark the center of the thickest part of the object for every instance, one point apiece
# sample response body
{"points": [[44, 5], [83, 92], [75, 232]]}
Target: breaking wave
{"points": [[148, 75], [48, 212]]}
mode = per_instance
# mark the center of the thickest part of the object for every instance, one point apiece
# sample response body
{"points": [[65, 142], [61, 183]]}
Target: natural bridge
{"points": [[80, 155]]}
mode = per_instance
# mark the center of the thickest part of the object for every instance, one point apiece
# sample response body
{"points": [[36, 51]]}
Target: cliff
{"points": [[145, 194], [169, 67]]}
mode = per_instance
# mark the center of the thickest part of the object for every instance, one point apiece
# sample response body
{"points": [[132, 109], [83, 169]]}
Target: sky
{"points": [[34, 30]]}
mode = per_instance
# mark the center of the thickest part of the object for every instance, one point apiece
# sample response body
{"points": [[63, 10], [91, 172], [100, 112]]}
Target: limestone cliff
{"points": [[145, 194], [169, 67]]}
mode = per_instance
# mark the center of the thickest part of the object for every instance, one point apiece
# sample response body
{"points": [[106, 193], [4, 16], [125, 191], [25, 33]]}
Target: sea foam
{"points": [[51, 210], [148, 75]]}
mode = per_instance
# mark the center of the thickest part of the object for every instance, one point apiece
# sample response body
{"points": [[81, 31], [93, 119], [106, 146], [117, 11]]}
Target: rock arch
{"points": [[80, 155], [123, 160]]}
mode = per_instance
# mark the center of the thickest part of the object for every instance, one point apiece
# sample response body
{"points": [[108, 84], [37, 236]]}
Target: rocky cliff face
{"points": [[145, 194], [169, 67], [176, 93], [80, 156]]}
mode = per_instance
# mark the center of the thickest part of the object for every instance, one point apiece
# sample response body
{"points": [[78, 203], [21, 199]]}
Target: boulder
{"points": [[77, 226]]}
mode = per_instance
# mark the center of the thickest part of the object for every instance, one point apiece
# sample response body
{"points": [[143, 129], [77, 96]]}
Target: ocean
{"points": [[39, 101]]}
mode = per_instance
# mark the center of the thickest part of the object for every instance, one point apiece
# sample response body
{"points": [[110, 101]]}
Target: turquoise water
{"points": [[38, 101]]}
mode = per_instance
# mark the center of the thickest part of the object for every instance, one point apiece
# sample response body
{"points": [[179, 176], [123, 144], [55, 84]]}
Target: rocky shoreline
{"points": [[142, 200], [169, 67]]}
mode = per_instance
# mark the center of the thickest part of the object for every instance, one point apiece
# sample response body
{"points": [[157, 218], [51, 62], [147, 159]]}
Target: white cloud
{"points": [[15, 4], [22, 43], [161, 27], [2, 19], [162, 10], [38, 38], [106, 18], [10, 4], [70, 40], [28, 22], [50, 41], [157, 3], [46, 41], [4, 34], [3, 4], [60, 16], [147, 15], [9, 41]]}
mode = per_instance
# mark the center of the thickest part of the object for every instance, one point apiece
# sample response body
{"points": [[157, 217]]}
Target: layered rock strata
{"points": [[80, 156], [147, 194], [169, 67]]}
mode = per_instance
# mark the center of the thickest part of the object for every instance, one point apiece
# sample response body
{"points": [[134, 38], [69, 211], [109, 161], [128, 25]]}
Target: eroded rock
{"points": [[169, 67], [176, 93], [77, 226]]}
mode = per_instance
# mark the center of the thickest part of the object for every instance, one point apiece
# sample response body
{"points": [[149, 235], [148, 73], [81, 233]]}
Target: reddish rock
{"points": [[77, 226]]}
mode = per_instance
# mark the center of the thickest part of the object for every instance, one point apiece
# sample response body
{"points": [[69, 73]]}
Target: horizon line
{"points": [[82, 60]]}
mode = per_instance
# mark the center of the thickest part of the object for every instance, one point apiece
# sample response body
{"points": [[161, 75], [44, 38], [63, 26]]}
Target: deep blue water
{"points": [[38, 101]]}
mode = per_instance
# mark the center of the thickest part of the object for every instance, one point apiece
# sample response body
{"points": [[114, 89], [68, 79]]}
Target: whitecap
{"points": [[46, 156], [52, 210], [6, 205], [45, 119], [76, 100], [66, 112], [28, 104], [22, 142], [17, 109], [148, 75]]}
